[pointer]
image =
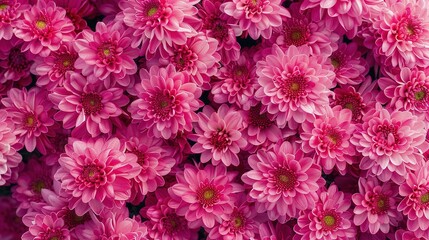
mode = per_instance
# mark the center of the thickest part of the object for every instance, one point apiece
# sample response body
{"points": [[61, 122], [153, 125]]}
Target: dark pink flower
{"points": [[77, 10], [14, 64], [47, 227], [12, 227]]}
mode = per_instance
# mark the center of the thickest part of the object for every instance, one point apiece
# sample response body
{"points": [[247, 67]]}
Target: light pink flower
{"points": [[294, 86], [14, 64], [257, 17], [90, 105], [9, 156], [328, 137], [402, 32], [237, 83], [283, 181], [204, 196], [97, 173], [158, 24], [376, 206], [166, 102], [44, 28], [10, 11], [106, 54], [331, 218], [218, 135], [415, 205], [31, 113], [47, 227], [392, 144]]}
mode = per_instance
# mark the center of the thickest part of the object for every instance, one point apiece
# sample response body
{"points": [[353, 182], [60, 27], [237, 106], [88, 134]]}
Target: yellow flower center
{"points": [[40, 24], [425, 198], [329, 220], [152, 11], [3, 6], [106, 52], [420, 95], [208, 194], [296, 35]]}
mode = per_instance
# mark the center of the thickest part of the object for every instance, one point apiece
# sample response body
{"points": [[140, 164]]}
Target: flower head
{"points": [[9, 156], [10, 12], [47, 227]]}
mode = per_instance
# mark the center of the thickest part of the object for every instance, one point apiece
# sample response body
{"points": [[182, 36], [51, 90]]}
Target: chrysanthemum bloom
{"points": [[154, 158], [166, 102], [197, 57], [376, 206], [300, 30], [204, 196], [348, 65], [30, 111], [10, 11], [12, 226], [97, 173], [215, 25], [408, 90], [392, 144], [117, 225], [77, 10], [158, 24], [294, 86], [90, 104], [328, 137], [218, 135], [402, 30], [257, 17], [237, 83], [271, 231], [237, 225], [106, 54], [53, 68], [43, 28], [415, 205], [402, 234], [283, 181], [9, 146], [331, 218], [14, 64], [164, 223], [47, 227]]}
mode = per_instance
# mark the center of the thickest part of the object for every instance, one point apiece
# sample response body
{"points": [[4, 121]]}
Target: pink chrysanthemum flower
{"points": [[328, 137], [154, 158], [402, 30], [237, 83], [407, 90], [392, 144], [44, 28], [117, 225], [294, 86], [283, 181], [415, 205], [215, 25], [47, 227], [330, 219], [218, 135], [53, 68], [376, 206], [9, 156], [257, 17], [300, 30], [10, 11], [14, 64], [166, 102], [158, 24], [197, 57], [204, 196], [77, 10], [349, 67], [402, 234], [90, 104], [106, 54], [97, 173], [30, 111]]}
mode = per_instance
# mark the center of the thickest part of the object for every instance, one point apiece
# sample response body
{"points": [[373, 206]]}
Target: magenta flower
{"points": [[77, 10], [258, 17], [376, 206], [14, 64], [293, 85], [90, 104], [166, 103], [10, 12], [44, 28], [97, 173], [30, 111], [106, 54], [47, 227], [204, 196], [392, 144], [158, 24], [329, 219], [283, 181], [9, 146], [414, 206], [9, 228], [329, 138], [218, 136], [402, 33]]}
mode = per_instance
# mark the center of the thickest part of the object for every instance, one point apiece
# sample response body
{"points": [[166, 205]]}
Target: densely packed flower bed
{"points": [[212, 119]]}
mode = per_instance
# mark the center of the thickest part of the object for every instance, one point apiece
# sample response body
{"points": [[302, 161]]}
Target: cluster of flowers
{"points": [[217, 119]]}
